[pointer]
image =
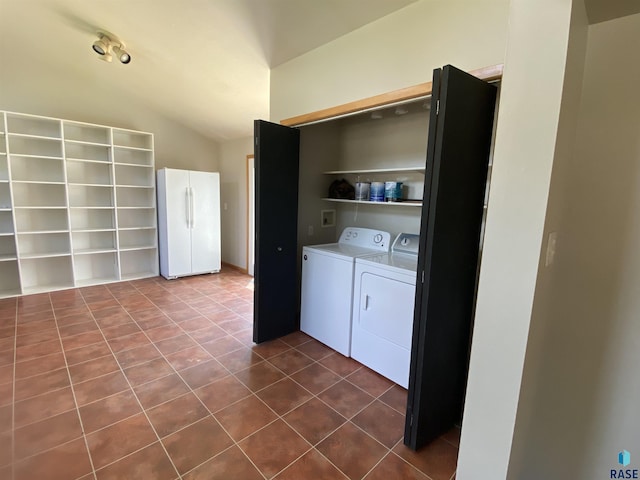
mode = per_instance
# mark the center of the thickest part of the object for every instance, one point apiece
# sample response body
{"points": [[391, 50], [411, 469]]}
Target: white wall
{"points": [[397, 51], [526, 143], [233, 191], [27, 90], [580, 388]]}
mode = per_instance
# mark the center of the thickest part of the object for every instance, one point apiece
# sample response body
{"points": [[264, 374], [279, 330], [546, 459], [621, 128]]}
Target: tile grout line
{"points": [[191, 390], [13, 394], [281, 417], [73, 391], [251, 394], [131, 387], [188, 386], [238, 335]]}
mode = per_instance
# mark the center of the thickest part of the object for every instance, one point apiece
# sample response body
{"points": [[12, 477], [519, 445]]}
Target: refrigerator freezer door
{"points": [[175, 233]]}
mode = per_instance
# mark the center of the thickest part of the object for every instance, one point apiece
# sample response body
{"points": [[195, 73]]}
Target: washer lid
{"points": [[391, 261], [340, 250]]}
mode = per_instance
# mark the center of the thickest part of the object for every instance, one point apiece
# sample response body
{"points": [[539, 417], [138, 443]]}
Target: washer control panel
{"points": [[366, 238]]}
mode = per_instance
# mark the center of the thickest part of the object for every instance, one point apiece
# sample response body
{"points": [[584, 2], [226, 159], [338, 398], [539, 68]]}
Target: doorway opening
{"points": [[251, 237]]}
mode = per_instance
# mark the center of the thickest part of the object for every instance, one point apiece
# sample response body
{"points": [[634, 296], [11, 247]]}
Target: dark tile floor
{"points": [[156, 379]]}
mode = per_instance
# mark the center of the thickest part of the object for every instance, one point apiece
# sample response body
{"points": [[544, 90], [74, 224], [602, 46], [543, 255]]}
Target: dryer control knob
{"points": [[305, 257], [377, 238]]}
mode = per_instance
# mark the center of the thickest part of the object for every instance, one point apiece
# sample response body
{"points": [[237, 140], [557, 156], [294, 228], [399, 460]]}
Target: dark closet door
{"points": [[276, 217], [460, 129]]}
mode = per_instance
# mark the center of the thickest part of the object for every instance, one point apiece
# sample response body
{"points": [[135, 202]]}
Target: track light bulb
{"points": [[122, 54], [101, 47]]}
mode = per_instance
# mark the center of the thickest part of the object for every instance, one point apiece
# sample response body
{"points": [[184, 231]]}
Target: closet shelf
{"points": [[376, 170], [404, 203]]}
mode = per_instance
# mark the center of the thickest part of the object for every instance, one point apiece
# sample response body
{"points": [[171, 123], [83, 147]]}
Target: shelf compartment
{"points": [[9, 279], [87, 151], [38, 126], [5, 196], [7, 247], [134, 176], [46, 274], [90, 196], [130, 156], [132, 139], [135, 239], [136, 218], [35, 146], [95, 268], [81, 132], [45, 244], [404, 203], [44, 220], [39, 195], [91, 219], [135, 197], [37, 169], [88, 173], [6, 223], [4, 166], [138, 263], [84, 242]]}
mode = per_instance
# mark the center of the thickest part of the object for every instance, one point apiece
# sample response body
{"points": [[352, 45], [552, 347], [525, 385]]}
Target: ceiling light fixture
{"points": [[108, 44]]}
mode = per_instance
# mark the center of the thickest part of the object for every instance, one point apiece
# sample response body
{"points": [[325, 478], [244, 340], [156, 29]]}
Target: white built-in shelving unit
{"points": [[77, 204]]}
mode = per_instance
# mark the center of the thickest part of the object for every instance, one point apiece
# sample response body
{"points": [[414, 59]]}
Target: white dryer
{"points": [[327, 284], [383, 304]]}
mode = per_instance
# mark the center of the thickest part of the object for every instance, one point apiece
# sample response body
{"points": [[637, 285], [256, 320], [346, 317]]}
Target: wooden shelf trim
{"points": [[491, 73]]}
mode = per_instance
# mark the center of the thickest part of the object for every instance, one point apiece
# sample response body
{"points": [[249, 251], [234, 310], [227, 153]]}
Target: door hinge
{"points": [[422, 276], [411, 420], [437, 107], [256, 141]]}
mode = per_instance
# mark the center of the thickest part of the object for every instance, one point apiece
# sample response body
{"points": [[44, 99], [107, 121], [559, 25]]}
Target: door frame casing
{"points": [[489, 74]]}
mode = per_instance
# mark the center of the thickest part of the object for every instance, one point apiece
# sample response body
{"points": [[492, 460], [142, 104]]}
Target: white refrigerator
{"points": [[188, 222]]}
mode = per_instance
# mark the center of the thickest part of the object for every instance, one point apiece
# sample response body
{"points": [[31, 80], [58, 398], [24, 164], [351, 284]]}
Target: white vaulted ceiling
{"points": [[203, 63]]}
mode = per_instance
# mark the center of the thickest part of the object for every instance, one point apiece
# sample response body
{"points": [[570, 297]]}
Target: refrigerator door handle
{"points": [[193, 211], [187, 204]]}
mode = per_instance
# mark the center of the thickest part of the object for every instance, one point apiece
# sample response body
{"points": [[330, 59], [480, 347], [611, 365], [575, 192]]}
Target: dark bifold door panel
{"points": [[276, 216], [459, 143]]}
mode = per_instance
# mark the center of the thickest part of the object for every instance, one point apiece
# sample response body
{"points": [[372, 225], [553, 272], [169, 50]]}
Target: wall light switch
{"points": [[224, 205], [551, 248], [310, 230]]}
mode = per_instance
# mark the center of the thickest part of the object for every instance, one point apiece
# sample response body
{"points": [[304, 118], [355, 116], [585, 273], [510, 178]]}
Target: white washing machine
{"points": [[383, 304], [327, 284]]}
